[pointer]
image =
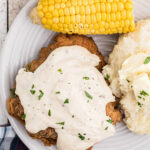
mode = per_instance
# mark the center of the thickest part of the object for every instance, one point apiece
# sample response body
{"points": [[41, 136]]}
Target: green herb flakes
{"points": [[139, 97], [88, 95], [23, 116], [12, 93], [139, 104], [147, 60], [58, 92], [33, 86], [41, 94], [128, 80], [144, 93], [81, 136], [60, 71], [107, 77], [62, 127], [106, 128], [72, 116], [110, 121], [32, 92], [49, 112], [66, 101], [61, 123], [28, 68], [86, 78]]}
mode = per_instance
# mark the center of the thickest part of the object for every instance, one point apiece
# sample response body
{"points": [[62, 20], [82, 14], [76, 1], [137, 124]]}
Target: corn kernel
{"points": [[74, 2], [120, 6], [98, 7], [87, 19], [72, 10], [72, 19], [129, 6], [93, 10], [82, 10], [77, 18], [45, 9], [104, 16], [87, 10], [39, 7], [66, 11], [118, 16], [51, 8], [91, 2], [44, 20], [98, 17], [68, 4], [67, 19], [40, 14], [63, 5], [57, 6], [93, 19], [102, 7], [123, 15], [48, 15], [114, 7], [79, 2], [108, 18], [49, 22], [61, 19], [77, 10], [108, 7], [82, 19], [113, 16], [61, 12], [85, 2], [55, 20]]}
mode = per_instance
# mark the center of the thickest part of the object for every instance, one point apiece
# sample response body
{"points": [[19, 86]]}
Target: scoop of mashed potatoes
{"points": [[128, 72]]}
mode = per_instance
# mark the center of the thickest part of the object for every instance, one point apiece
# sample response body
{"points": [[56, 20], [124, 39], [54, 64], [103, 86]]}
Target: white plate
{"points": [[23, 44]]}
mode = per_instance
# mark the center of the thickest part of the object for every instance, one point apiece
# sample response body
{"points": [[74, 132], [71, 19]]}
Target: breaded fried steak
{"points": [[15, 108]]}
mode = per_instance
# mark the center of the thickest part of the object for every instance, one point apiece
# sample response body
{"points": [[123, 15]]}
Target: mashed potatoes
{"points": [[128, 72]]}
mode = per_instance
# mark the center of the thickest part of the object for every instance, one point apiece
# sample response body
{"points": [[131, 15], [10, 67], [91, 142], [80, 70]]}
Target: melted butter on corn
{"points": [[86, 16]]}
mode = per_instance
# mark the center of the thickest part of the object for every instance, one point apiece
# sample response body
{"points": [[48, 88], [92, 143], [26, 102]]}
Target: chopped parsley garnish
{"points": [[62, 127], [139, 104], [58, 92], [144, 93], [32, 92], [87, 101], [139, 97], [41, 94], [72, 116], [28, 68], [107, 77], [60, 70], [12, 93], [23, 116], [88, 138], [128, 80], [88, 95], [86, 78], [110, 121], [81, 136], [49, 112], [131, 86], [106, 128], [147, 60], [61, 123], [66, 101], [33, 86]]}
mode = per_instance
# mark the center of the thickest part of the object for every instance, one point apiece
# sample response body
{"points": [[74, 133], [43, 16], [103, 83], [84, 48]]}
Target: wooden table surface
{"points": [[8, 11]]}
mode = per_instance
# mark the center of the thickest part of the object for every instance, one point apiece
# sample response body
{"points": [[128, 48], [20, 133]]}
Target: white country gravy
{"points": [[69, 94]]}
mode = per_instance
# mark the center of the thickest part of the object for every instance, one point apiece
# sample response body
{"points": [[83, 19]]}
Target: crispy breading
{"points": [[49, 136]]}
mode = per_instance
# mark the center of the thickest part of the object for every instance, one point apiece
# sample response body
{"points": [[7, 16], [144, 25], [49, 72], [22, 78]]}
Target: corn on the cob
{"points": [[87, 16]]}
